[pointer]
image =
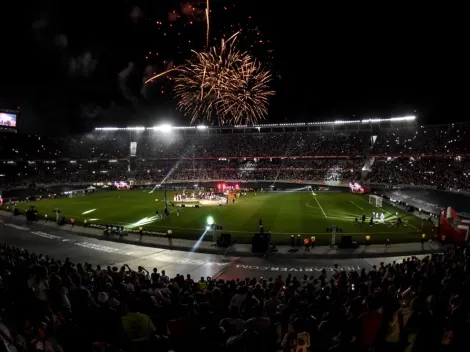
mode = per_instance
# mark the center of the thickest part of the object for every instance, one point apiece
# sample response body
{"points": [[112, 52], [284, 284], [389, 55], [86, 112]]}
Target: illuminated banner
{"points": [[357, 188], [133, 148]]}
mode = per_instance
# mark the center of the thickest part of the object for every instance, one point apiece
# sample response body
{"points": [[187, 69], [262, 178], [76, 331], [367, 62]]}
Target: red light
{"points": [[236, 186], [223, 185]]}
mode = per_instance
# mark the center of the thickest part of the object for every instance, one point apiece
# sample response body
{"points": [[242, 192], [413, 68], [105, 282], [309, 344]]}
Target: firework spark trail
{"points": [[202, 83], [208, 23], [161, 74]]}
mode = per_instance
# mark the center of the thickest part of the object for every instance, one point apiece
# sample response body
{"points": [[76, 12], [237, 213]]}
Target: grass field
{"points": [[282, 213]]}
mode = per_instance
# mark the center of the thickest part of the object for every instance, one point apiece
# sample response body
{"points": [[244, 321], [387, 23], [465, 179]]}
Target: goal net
{"points": [[376, 201], [76, 193]]}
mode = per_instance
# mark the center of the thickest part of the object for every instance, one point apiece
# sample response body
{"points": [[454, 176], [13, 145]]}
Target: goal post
{"points": [[376, 201], [76, 193]]}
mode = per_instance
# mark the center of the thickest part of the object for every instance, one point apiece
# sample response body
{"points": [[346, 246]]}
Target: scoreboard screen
{"points": [[8, 120]]}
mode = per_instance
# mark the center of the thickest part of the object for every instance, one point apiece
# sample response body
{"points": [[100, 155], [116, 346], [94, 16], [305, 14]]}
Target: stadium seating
{"points": [[435, 156]]}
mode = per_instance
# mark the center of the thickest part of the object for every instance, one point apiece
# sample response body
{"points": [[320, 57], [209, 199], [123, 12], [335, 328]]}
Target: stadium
{"points": [[233, 176], [286, 179]]}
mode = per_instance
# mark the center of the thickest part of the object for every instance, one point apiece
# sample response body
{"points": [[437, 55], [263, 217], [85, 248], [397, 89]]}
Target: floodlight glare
{"points": [[201, 127], [165, 128], [210, 220]]}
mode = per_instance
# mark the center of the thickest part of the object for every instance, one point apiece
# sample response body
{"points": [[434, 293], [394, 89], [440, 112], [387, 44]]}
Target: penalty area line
{"points": [[356, 205], [320, 207]]}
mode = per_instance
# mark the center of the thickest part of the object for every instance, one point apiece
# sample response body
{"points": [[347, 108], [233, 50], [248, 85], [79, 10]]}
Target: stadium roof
{"points": [[167, 127]]}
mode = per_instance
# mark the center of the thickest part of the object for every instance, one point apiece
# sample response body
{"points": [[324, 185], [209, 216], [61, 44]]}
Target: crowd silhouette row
{"points": [[58, 305]]}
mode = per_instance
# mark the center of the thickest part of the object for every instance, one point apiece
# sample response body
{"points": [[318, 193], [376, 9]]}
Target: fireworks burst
{"points": [[225, 85], [247, 94], [220, 84]]}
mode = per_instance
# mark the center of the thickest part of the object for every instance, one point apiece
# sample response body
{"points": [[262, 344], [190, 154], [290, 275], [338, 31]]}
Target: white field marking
{"points": [[46, 235], [320, 207], [97, 247], [17, 227], [320, 216], [356, 205], [341, 214], [412, 226], [311, 206]]}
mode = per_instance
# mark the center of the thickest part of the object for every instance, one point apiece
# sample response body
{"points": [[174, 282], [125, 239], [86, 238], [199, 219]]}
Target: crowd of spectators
{"points": [[116, 145], [155, 171], [57, 305], [448, 139], [264, 169], [432, 156], [440, 173]]}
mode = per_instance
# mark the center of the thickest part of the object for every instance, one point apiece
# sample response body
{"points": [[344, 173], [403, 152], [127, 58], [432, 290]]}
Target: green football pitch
{"points": [[282, 213]]}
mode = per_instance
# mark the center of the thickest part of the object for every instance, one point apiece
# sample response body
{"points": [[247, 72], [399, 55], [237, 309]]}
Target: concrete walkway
{"points": [[237, 250]]}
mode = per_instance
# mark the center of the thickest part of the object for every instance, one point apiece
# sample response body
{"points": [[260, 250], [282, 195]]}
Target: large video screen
{"points": [[121, 185], [7, 120]]}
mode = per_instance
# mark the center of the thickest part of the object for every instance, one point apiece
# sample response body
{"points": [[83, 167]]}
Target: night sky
{"points": [[74, 65]]}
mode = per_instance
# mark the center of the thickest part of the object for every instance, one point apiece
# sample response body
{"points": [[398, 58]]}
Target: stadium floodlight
{"points": [[393, 119], [168, 128], [120, 128], [341, 122], [137, 128], [163, 128], [210, 220], [107, 129]]}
